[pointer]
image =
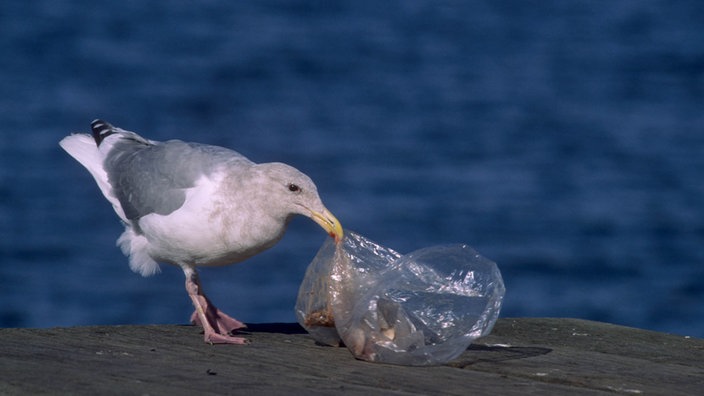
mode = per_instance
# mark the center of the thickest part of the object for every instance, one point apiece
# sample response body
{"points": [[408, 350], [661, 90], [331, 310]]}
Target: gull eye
{"points": [[294, 188]]}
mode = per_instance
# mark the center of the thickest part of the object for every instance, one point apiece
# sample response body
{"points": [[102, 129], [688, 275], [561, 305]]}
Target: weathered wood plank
{"points": [[521, 356]]}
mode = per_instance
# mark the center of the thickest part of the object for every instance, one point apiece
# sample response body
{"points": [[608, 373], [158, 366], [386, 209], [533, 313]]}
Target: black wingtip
{"points": [[101, 130]]}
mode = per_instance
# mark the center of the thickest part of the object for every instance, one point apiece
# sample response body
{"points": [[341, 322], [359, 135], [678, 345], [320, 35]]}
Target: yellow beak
{"points": [[329, 223]]}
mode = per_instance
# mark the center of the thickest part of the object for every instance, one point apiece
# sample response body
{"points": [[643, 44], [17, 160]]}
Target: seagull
{"points": [[193, 205]]}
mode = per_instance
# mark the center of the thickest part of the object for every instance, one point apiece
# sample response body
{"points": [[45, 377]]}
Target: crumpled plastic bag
{"points": [[423, 308]]}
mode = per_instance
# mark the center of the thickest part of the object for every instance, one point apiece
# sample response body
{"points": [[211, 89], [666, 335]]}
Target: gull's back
{"points": [[141, 176]]}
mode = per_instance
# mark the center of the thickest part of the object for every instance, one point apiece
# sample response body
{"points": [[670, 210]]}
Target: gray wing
{"points": [[150, 177]]}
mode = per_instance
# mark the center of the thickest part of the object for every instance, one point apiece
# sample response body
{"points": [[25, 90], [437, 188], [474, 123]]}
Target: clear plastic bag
{"points": [[337, 277], [422, 308]]}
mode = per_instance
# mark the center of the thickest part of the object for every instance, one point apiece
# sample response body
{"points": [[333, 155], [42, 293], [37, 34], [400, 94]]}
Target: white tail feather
{"points": [[82, 147]]}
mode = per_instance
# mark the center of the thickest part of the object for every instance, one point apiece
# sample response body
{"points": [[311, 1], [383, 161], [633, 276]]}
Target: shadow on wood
{"points": [[485, 353]]}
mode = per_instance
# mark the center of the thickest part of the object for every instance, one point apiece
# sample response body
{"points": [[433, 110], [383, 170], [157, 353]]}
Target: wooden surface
{"points": [[520, 357]]}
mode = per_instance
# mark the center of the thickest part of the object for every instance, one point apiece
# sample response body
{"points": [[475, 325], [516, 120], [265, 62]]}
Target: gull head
{"points": [[292, 192]]}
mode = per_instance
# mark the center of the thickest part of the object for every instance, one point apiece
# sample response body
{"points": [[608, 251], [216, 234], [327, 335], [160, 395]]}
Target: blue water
{"points": [[563, 140]]}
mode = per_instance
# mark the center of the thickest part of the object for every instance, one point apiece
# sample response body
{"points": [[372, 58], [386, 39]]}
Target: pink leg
{"points": [[216, 324]]}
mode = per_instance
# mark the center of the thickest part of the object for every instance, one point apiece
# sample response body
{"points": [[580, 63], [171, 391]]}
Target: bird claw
{"points": [[217, 325], [221, 322], [216, 332], [215, 338]]}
